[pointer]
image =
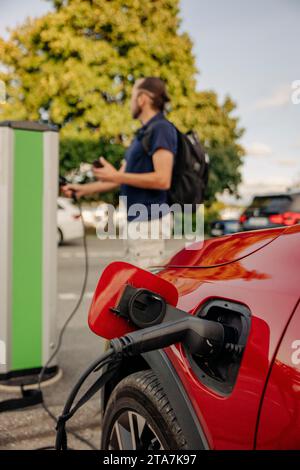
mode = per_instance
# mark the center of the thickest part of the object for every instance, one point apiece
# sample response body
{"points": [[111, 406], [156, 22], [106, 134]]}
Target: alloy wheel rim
{"points": [[131, 431]]}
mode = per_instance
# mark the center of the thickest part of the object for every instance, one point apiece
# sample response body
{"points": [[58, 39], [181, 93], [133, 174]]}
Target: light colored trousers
{"points": [[145, 243]]}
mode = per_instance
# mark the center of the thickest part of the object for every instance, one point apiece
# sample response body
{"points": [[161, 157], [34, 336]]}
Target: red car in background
{"points": [[169, 399]]}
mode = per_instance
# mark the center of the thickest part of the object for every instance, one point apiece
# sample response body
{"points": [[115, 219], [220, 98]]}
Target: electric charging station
{"points": [[28, 248]]}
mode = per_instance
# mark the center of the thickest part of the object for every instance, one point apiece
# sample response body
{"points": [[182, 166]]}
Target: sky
{"points": [[250, 51]]}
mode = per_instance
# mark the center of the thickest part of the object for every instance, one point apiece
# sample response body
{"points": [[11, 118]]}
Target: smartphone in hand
{"points": [[97, 164]]}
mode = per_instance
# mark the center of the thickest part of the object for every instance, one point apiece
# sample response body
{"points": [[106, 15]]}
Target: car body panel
{"points": [[218, 251], [279, 423], [267, 282]]}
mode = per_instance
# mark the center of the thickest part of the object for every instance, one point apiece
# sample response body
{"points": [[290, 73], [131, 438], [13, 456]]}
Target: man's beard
{"points": [[136, 112]]}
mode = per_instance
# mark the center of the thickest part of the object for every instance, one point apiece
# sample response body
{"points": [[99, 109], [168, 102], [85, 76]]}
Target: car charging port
{"points": [[220, 372]]}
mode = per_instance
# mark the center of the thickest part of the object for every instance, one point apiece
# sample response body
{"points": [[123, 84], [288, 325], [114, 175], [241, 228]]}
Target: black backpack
{"points": [[190, 171]]}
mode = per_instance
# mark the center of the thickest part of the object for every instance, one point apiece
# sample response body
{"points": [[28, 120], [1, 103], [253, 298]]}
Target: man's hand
{"points": [[79, 189], [107, 173]]}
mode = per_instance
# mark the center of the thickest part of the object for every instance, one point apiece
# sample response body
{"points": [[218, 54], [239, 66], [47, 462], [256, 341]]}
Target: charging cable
{"points": [[160, 325], [200, 336], [63, 330]]}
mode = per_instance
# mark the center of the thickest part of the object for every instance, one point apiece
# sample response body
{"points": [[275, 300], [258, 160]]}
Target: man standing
{"points": [[145, 177]]}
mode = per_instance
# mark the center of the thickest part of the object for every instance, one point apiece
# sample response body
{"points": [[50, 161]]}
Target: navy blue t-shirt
{"points": [[163, 136]]}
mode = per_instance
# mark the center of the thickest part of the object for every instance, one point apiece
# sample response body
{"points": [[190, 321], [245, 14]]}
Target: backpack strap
{"points": [[147, 135]]}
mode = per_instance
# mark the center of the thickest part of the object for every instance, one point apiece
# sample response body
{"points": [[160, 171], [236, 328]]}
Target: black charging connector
{"points": [[160, 325], [202, 337], [141, 307], [62, 181], [144, 308]]}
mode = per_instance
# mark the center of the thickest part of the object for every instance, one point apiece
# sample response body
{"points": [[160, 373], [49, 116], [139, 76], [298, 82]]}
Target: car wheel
{"points": [[139, 416], [60, 237]]}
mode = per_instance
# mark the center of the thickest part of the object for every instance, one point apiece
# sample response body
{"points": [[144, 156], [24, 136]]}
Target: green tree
{"points": [[75, 67]]}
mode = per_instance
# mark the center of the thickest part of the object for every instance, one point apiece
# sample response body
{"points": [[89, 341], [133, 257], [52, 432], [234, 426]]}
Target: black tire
{"points": [[140, 397], [60, 238]]}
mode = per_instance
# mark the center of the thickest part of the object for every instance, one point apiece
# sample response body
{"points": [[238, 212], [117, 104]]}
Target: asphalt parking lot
{"points": [[32, 428]]}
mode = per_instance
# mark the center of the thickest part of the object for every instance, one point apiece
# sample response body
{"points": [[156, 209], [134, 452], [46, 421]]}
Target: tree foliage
{"points": [[76, 65]]}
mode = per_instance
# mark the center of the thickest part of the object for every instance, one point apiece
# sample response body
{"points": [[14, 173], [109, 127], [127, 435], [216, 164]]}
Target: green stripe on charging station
{"points": [[26, 327]]}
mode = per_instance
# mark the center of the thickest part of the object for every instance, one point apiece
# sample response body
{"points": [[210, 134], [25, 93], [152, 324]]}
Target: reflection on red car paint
{"points": [[262, 271], [248, 280]]}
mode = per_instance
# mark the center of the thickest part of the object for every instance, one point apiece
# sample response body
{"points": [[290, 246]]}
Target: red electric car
{"points": [[244, 399]]}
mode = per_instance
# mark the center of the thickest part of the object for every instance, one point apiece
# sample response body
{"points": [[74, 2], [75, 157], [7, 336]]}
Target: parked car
{"points": [[272, 210], [224, 227], [247, 398], [96, 216], [69, 224]]}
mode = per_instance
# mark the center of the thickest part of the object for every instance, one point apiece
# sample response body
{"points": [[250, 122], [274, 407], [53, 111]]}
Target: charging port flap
{"points": [[103, 320]]}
